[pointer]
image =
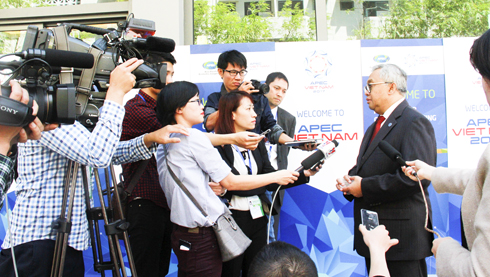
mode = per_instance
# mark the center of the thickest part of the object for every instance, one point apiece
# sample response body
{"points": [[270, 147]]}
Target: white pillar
{"points": [[167, 14]]}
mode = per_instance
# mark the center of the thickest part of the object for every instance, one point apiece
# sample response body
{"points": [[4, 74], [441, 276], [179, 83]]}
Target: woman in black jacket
{"points": [[236, 114]]}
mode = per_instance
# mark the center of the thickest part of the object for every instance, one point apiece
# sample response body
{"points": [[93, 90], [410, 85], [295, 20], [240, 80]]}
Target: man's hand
{"points": [[12, 135], [308, 146], [122, 80], [350, 185], [247, 87], [247, 140], [162, 135]]}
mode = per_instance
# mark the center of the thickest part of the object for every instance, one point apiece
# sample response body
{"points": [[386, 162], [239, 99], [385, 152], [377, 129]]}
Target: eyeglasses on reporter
{"points": [[198, 101], [233, 73]]}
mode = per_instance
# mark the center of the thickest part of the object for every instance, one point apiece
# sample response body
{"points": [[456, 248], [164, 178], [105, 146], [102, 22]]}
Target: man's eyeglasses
{"points": [[198, 101], [367, 88], [233, 73]]}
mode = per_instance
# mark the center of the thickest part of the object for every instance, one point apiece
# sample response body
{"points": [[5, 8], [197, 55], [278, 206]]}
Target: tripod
{"points": [[113, 229]]}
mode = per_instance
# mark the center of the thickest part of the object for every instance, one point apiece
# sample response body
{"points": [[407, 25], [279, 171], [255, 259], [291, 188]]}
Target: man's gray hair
{"points": [[393, 73]]}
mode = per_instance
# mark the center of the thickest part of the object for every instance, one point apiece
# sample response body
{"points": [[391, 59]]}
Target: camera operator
{"points": [[42, 170], [149, 235], [232, 67], [12, 135]]}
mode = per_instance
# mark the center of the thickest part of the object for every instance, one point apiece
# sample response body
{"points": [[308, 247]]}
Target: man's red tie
{"points": [[379, 121]]}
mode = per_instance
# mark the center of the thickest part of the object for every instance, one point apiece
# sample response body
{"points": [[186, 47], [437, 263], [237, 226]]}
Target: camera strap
{"points": [[84, 87], [61, 39]]}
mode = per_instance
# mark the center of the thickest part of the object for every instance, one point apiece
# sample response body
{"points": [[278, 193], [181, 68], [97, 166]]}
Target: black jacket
{"points": [[387, 191], [263, 166]]}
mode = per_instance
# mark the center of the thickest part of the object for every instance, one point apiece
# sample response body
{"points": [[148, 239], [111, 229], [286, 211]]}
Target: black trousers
{"points": [[256, 230], [34, 259], [149, 233], [416, 268]]}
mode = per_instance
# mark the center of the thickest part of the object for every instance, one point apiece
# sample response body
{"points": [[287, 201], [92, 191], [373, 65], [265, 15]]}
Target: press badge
{"points": [[255, 205]]}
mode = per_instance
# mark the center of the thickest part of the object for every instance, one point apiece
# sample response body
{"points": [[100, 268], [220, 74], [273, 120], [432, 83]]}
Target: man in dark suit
{"points": [[378, 184], [278, 154]]}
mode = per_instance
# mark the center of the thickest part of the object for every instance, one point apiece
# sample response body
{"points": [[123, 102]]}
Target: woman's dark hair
{"points": [[172, 97], [228, 104], [480, 55]]}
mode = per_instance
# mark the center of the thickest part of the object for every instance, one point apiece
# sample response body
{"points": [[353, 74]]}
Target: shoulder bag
{"points": [[231, 239]]}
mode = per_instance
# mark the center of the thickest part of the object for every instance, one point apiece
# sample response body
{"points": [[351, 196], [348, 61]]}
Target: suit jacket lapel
{"points": [[230, 158], [258, 159], [281, 151], [389, 124], [280, 118]]}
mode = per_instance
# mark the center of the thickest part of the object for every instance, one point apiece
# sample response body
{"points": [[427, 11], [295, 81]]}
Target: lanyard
{"points": [[141, 97], [249, 167], [269, 150], [268, 142]]}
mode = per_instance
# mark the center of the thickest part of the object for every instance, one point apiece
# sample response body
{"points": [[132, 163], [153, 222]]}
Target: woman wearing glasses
{"points": [[194, 161], [248, 206]]}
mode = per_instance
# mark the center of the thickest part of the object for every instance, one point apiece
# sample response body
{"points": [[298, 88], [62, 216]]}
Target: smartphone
{"points": [[184, 245], [369, 219], [265, 132], [299, 143]]}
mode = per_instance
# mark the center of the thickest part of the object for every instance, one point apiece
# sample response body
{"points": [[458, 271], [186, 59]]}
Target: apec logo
{"points": [[381, 58], [318, 64], [209, 65]]}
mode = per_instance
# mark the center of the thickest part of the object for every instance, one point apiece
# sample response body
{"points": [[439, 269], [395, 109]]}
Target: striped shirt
{"points": [[42, 166], [6, 171]]}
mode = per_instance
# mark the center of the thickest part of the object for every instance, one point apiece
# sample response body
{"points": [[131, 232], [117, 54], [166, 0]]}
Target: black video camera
{"points": [[69, 78], [262, 88]]}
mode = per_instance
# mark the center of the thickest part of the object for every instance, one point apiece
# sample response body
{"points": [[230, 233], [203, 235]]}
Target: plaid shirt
{"points": [[6, 171], [141, 118], [42, 166]]}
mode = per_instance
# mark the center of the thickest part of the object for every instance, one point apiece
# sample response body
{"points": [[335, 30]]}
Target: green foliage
{"points": [[14, 4], [255, 27], [221, 23], [294, 23], [365, 30], [436, 18], [8, 42]]}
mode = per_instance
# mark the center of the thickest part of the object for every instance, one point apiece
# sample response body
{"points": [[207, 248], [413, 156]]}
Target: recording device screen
{"points": [[300, 143], [369, 219]]}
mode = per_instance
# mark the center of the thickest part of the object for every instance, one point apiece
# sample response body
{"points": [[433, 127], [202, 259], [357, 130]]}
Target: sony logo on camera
{"points": [[8, 109]]}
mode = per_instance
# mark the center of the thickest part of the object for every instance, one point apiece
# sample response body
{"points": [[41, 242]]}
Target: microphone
{"points": [[393, 154], [59, 57], [160, 44], [325, 150], [153, 43]]}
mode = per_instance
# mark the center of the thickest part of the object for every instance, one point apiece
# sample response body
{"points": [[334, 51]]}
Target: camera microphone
{"points": [[59, 57], [153, 43], [325, 150], [393, 154], [160, 44]]}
